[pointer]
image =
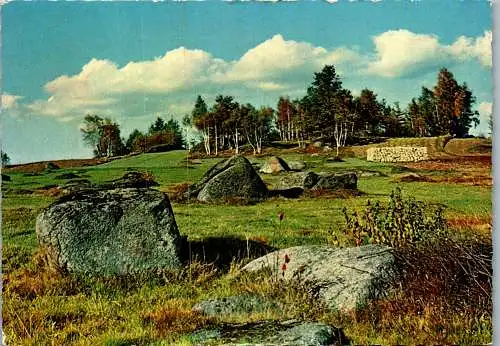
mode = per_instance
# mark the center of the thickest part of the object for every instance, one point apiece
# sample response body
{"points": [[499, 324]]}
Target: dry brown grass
{"points": [[38, 280], [176, 320], [451, 163]]}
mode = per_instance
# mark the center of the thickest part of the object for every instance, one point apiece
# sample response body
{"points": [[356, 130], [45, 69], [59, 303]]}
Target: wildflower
{"points": [[281, 215]]}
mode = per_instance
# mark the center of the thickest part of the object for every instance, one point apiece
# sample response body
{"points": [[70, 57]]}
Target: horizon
{"points": [[136, 61]]}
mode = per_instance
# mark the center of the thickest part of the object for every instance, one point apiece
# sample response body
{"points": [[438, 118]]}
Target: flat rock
{"points": [[315, 181], [344, 278], [234, 305], [297, 165], [335, 181], [291, 333], [274, 165], [110, 232]]}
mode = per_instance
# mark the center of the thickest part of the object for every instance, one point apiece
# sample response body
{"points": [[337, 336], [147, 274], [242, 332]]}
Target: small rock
{"points": [[235, 305], [274, 165], [309, 334], [297, 165]]}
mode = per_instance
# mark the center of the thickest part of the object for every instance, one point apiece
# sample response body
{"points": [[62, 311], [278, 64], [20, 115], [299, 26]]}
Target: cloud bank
{"points": [[169, 83]]}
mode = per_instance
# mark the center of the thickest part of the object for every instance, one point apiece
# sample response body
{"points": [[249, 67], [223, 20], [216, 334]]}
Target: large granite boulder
{"points": [[274, 165], [315, 181], [344, 279], [234, 177], [110, 232]]}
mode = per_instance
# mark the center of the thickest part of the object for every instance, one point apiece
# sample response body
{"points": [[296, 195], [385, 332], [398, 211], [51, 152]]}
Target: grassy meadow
{"points": [[41, 307]]}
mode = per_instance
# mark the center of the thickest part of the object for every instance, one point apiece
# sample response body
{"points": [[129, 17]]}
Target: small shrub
{"points": [[403, 222], [177, 192]]}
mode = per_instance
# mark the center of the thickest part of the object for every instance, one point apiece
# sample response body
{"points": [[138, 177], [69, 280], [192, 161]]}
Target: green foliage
{"points": [[103, 135], [5, 158], [404, 222]]}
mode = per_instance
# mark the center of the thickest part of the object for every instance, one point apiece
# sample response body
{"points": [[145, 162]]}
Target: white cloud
{"points": [[485, 108], [402, 52], [10, 101], [274, 65], [277, 66], [478, 48]]}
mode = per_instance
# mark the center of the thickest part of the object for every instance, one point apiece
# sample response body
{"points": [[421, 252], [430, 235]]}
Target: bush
{"points": [[402, 223]]}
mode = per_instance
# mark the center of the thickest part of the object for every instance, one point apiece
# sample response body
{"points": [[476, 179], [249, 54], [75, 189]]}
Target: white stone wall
{"points": [[397, 154]]}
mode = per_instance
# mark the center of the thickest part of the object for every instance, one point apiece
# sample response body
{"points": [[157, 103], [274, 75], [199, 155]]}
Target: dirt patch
{"points": [[37, 167]]}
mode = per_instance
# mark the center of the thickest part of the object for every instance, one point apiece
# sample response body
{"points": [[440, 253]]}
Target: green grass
{"points": [[41, 307]]}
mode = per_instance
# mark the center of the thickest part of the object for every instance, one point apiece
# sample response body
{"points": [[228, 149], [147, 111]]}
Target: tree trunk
{"points": [[236, 144], [216, 140]]}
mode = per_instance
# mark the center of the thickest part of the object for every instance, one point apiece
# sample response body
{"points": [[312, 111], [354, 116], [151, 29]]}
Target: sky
{"points": [[134, 61]]}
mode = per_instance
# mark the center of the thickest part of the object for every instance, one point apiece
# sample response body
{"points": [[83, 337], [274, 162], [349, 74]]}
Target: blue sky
{"points": [[134, 61]]}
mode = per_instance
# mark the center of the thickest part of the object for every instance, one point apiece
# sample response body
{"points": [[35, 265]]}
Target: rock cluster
{"points": [[397, 154], [315, 181]]}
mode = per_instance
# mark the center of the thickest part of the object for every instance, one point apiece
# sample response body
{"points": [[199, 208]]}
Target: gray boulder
{"points": [[231, 178], [110, 232], [307, 334], [334, 181], [304, 180], [297, 165], [344, 279], [291, 332], [314, 181], [274, 165]]}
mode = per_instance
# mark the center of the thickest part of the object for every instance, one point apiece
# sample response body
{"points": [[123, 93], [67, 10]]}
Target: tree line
{"points": [[327, 112], [103, 135]]}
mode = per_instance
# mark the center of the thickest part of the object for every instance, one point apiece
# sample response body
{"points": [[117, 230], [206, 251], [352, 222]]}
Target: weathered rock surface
{"points": [[314, 181], [274, 165], [292, 333], [310, 334], [343, 278], [304, 180], [297, 165], [334, 181], [231, 178], [235, 305], [110, 232]]}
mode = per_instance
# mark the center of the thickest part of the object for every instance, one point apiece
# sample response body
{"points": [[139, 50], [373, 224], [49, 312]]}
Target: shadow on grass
{"points": [[222, 251], [294, 192]]}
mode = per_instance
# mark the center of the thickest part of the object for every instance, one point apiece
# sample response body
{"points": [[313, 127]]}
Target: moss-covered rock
{"points": [[110, 232], [232, 178]]}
